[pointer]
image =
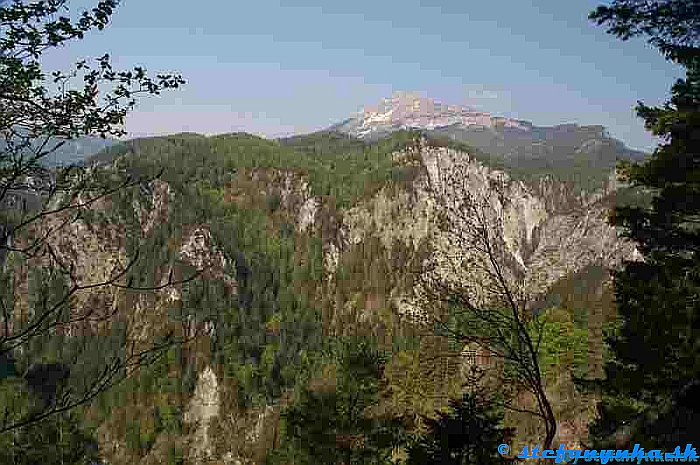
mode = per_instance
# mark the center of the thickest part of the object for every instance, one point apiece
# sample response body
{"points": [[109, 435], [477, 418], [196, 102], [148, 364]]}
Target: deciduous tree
{"points": [[38, 115]]}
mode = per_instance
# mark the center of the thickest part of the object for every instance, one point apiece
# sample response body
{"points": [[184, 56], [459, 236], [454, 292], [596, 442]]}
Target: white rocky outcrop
{"points": [[411, 110], [160, 199], [544, 244], [200, 249], [203, 407], [307, 213]]}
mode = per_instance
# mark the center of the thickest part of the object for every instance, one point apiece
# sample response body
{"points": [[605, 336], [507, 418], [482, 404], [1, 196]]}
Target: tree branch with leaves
{"points": [[38, 115], [652, 379]]}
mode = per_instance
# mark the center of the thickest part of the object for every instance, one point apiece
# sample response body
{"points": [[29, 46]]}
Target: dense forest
{"points": [[191, 298], [279, 331]]}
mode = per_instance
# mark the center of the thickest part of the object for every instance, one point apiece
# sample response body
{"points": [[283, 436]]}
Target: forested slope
{"points": [[301, 270]]}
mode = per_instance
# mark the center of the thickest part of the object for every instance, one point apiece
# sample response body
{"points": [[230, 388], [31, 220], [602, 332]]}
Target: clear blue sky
{"points": [[291, 66]]}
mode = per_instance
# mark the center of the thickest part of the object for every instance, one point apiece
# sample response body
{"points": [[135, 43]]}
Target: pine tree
{"points": [[468, 434], [339, 422], [655, 373]]}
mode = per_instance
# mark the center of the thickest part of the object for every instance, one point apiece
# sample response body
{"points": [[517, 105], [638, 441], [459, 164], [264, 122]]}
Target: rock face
{"points": [[203, 407], [547, 231], [201, 251], [160, 196], [544, 244]]}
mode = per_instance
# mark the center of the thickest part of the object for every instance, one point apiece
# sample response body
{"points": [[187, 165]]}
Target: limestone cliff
{"points": [[544, 243]]}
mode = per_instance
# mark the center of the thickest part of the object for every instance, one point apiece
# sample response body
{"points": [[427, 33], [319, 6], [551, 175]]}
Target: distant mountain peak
{"points": [[414, 110], [520, 145], [414, 102]]}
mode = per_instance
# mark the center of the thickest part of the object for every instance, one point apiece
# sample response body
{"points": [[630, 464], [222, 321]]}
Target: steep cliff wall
{"points": [[544, 243]]}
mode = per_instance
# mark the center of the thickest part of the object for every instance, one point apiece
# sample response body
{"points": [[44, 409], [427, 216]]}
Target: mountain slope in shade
{"points": [[74, 151], [77, 150]]}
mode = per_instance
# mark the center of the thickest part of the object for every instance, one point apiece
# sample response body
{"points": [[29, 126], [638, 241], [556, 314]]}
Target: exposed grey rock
{"points": [[410, 110], [203, 407], [544, 243]]}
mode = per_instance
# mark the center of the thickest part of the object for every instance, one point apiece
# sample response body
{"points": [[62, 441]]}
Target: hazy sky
{"points": [[291, 66]]}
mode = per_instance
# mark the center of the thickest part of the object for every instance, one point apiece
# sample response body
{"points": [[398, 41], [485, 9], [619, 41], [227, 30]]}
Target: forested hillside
{"points": [[279, 317], [416, 285]]}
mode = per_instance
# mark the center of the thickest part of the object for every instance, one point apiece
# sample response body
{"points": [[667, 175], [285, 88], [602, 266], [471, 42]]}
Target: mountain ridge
{"points": [[499, 135]]}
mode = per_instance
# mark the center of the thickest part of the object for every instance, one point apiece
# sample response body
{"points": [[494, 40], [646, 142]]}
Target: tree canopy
{"points": [[654, 375], [38, 114]]}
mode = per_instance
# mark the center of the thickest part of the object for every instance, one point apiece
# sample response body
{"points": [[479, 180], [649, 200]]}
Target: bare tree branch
{"points": [[474, 295], [37, 116]]}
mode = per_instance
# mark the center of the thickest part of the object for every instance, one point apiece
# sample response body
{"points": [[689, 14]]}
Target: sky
{"points": [[276, 68]]}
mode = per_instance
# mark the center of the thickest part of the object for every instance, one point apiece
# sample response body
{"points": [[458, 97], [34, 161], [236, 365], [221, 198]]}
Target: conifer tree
{"points": [[655, 373], [469, 433], [340, 423]]}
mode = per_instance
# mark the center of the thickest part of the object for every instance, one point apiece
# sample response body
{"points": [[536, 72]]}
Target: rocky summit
{"points": [[410, 110], [519, 142]]}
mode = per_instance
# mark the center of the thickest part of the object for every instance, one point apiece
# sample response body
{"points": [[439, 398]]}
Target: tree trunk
{"points": [[550, 422]]}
